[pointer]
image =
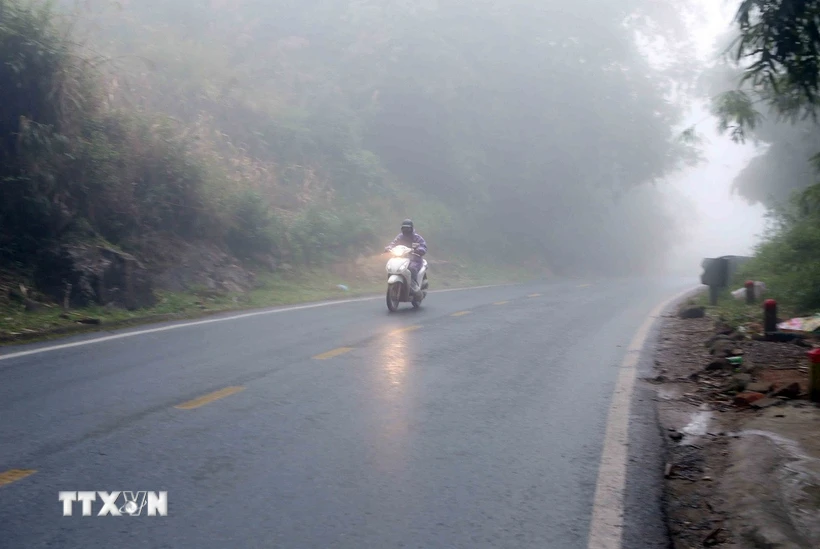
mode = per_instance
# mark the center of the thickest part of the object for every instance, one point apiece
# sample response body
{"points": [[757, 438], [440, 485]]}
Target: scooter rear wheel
{"points": [[423, 290]]}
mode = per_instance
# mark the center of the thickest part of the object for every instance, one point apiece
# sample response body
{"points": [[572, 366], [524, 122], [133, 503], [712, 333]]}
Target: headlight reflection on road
{"points": [[390, 376], [394, 359]]}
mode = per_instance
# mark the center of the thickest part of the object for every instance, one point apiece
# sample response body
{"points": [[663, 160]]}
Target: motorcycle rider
{"points": [[410, 238]]}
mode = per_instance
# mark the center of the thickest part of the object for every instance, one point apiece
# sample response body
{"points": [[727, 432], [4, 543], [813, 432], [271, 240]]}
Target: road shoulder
{"points": [[735, 476], [645, 525]]}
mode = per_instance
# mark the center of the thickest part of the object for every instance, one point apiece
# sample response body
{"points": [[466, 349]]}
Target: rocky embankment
{"points": [[79, 275]]}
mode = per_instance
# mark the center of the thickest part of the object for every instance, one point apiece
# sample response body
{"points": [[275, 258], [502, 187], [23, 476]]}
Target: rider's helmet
{"points": [[407, 228]]}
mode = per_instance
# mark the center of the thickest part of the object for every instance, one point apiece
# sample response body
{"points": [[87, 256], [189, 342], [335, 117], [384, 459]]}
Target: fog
{"points": [[519, 130], [725, 223]]}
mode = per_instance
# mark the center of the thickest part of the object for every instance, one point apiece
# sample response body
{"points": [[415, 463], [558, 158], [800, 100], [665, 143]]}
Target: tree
{"points": [[776, 65], [765, 89], [777, 50], [527, 117]]}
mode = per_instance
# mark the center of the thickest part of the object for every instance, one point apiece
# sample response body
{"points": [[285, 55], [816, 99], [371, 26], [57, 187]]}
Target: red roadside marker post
{"points": [[814, 375]]}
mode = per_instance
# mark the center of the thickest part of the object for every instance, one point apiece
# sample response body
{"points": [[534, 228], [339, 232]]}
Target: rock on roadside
{"points": [[205, 266], [691, 311], [96, 274]]}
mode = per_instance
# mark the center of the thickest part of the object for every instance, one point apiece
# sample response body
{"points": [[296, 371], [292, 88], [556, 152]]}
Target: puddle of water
{"points": [[670, 392], [698, 426], [791, 447]]}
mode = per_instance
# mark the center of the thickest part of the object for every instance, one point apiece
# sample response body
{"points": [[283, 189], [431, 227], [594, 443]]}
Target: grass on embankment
{"points": [[275, 289], [736, 312]]}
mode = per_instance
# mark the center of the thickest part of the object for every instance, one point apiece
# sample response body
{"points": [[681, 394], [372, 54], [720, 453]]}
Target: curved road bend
{"points": [[476, 422]]}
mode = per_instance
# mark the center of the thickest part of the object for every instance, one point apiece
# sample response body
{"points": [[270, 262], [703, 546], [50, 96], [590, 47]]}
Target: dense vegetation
{"points": [[774, 71], [307, 130], [75, 165]]}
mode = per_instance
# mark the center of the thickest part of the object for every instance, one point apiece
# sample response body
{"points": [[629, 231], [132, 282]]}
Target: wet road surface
{"points": [[475, 422]]}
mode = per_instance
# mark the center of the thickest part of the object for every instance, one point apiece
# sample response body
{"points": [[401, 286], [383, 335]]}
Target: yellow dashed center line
{"points": [[401, 330], [334, 352], [500, 302], [13, 475], [533, 295], [210, 397], [461, 313], [584, 285]]}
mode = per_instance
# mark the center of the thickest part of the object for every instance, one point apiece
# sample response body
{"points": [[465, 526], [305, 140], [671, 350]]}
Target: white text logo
{"points": [[117, 504]]}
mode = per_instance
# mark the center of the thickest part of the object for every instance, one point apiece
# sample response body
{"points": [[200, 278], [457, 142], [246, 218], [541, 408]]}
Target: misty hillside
{"points": [[303, 132]]}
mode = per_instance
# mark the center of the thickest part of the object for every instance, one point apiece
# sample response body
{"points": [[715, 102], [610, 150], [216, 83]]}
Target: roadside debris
{"points": [[691, 310], [89, 321], [714, 538], [807, 324], [718, 388]]}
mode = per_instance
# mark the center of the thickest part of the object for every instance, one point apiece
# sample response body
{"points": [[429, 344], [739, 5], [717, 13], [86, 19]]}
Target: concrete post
{"points": [[770, 316], [714, 291]]}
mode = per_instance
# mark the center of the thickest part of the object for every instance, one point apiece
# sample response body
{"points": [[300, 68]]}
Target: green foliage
{"points": [[781, 40], [72, 166], [690, 136], [777, 57], [319, 235], [736, 114], [777, 67], [788, 260], [254, 230], [44, 93]]}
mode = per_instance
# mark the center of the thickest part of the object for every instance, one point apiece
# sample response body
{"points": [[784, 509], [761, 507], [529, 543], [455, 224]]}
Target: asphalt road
{"points": [[350, 427]]}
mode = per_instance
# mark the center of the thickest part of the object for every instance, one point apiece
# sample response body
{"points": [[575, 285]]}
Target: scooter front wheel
{"points": [[393, 297]]}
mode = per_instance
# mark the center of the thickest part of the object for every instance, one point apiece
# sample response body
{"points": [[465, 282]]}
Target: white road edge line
{"points": [[606, 525], [212, 320]]}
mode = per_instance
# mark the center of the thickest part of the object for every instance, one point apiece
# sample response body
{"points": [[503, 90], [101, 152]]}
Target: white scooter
{"points": [[399, 279]]}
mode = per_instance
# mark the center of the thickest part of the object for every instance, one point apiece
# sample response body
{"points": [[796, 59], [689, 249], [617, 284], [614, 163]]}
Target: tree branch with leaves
{"points": [[777, 50]]}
